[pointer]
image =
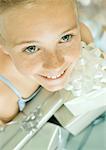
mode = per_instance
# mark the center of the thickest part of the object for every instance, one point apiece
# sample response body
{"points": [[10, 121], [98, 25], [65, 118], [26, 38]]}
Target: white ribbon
{"points": [[87, 81]]}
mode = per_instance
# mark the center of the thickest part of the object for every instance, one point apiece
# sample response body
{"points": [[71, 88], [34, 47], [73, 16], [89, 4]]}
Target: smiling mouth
{"points": [[54, 77]]}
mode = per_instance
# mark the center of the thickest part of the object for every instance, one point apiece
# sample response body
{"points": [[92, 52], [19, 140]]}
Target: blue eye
{"points": [[31, 49], [66, 38]]}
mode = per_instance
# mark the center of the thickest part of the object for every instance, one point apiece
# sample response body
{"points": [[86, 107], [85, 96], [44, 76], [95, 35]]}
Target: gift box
{"points": [[78, 112], [48, 138], [76, 124], [16, 134], [92, 138], [88, 102]]}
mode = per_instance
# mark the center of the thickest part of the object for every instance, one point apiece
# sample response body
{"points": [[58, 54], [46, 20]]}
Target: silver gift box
{"points": [[17, 134], [77, 113], [48, 138], [34, 133]]}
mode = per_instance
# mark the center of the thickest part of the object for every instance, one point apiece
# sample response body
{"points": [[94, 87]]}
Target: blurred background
{"points": [[93, 14]]}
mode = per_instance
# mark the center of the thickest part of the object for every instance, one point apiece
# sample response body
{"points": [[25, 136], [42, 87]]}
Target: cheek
{"points": [[75, 50], [27, 66], [72, 52]]}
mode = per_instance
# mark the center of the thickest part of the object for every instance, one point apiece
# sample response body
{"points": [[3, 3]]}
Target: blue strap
{"points": [[10, 85], [21, 104], [21, 101]]}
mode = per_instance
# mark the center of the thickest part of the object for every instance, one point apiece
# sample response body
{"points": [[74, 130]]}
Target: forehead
{"points": [[45, 16]]}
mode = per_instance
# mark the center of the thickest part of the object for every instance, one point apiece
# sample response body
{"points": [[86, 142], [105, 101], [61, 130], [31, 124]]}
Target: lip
{"points": [[53, 79]]}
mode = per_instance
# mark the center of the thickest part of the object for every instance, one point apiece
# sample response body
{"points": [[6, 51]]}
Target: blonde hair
{"points": [[6, 5]]}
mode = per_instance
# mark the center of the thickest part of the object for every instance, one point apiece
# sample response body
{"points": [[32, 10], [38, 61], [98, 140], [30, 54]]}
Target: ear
{"points": [[86, 35], [104, 55], [2, 46], [3, 49]]}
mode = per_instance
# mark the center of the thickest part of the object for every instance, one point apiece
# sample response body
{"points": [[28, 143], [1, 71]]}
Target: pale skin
{"points": [[56, 44]]}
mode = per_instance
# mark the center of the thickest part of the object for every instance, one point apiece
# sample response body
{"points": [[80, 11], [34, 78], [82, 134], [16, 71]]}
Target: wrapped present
{"points": [[76, 124], [89, 102], [92, 138], [16, 134], [48, 138]]}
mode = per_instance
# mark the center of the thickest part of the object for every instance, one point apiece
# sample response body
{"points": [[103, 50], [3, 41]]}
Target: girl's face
{"points": [[43, 41]]}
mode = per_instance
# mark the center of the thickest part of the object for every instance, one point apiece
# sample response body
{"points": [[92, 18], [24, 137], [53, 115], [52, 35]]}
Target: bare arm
{"points": [[8, 104]]}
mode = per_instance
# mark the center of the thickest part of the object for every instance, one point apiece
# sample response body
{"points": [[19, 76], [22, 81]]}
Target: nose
{"points": [[53, 60]]}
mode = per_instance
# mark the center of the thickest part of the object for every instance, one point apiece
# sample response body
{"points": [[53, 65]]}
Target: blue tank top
{"points": [[21, 101]]}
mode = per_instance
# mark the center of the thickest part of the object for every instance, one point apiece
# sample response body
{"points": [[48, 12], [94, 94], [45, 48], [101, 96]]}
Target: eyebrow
{"points": [[70, 29], [32, 41]]}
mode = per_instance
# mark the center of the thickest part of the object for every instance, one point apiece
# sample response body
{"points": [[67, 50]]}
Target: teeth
{"points": [[54, 77]]}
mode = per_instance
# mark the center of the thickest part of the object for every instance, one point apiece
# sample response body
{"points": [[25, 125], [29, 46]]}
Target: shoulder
{"points": [[8, 103], [86, 34]]}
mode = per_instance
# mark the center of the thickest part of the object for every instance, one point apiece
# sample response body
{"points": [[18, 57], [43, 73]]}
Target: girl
{"points": [[39, 44]]}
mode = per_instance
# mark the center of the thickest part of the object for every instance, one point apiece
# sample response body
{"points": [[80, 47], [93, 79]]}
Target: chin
{"points": [[54, 89]]}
